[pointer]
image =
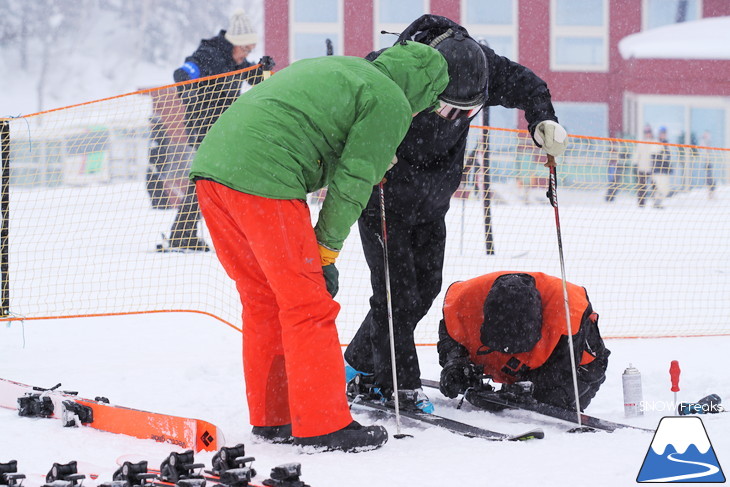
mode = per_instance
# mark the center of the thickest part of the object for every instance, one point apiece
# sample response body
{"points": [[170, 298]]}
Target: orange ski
{"points": [[187, 433]]}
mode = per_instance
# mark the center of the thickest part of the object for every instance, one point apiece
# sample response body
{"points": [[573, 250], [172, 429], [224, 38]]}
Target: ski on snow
{"points": [[491, 400], [101, 415], [421, 419]]}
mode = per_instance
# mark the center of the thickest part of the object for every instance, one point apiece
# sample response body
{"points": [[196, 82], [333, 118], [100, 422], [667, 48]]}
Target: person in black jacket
{"points": [[204, 101], [418, 190]]}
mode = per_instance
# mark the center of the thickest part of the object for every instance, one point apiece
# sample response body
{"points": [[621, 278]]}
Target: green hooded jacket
{"points": [[333, 121]]}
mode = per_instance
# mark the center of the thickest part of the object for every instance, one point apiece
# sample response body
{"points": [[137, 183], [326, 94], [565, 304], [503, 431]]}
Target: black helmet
{"points": [[512, 314], [467, 86]]}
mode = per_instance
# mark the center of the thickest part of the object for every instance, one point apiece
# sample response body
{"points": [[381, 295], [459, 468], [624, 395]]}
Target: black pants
{"points": [[553, 381], [644, 187], [184, 231], [615, 181], [416, 258]]}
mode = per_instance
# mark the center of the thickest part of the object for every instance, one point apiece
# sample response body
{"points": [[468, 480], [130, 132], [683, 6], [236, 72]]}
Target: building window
{"points": [[669, 115], [579, 35], [657, 13], [583, 118], [392, 16], [686, 118], [707, 126], [312, 23], [494, 22], [693, 120]]}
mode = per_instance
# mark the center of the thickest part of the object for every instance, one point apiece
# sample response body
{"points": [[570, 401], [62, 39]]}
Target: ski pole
{"points": [[552, 195], [390, 312]]}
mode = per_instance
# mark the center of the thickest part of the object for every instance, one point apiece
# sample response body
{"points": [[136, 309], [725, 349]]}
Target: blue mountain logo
{"points": [[681, 452]]}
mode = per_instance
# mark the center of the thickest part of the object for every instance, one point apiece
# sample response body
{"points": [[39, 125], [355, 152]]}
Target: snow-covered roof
{"points": [[707, 38]]}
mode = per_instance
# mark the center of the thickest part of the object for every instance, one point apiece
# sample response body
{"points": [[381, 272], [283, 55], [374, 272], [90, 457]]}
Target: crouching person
{"points": [[511, 327]]}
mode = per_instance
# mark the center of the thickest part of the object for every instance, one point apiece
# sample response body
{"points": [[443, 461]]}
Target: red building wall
{"points": [[276, 31], [649, 76], [677, 76], [625, 19], [446, 8], [534, 36], [715, 8], [359, 32]]}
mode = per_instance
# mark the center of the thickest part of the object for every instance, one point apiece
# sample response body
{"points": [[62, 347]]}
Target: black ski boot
{"points": [[192, 244], [362, 386], [412, 400], [273, 434], [352, 438]]}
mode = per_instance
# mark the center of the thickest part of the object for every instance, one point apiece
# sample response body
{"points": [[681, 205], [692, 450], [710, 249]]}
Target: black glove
{"points": [[457, 375], [331, 278], [267, 63]]}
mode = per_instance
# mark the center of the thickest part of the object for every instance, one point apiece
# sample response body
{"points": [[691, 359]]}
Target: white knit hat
{"points": [[240, 32]]}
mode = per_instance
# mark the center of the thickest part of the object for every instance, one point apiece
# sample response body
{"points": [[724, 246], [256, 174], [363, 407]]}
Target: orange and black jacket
{"points": [[464, 314]]}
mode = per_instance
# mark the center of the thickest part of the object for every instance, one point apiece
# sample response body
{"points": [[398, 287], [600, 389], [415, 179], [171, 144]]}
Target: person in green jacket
{"points": [[330, 122]]}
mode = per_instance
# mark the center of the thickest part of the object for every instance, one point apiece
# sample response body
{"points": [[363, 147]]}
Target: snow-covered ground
{"points": [[190, 365]]}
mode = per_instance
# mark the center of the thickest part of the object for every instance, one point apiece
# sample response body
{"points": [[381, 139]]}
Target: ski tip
{"points": [[209, 437], [536, 434]]}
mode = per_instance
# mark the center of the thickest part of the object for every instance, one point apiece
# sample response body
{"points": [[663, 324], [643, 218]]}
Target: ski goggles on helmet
{"points": [[452, 112]]}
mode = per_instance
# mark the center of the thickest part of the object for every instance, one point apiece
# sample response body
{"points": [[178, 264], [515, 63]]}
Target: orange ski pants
{"points": [[292, 360]]}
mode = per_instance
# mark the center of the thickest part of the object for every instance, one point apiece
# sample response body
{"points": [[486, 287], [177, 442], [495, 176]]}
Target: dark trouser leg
{"points": [[415, 254], [611, 192], [553, 380], [642, 180], [184, 231]]}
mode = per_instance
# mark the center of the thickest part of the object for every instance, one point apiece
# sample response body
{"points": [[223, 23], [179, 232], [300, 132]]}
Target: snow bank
{"points": [[701, 39]]}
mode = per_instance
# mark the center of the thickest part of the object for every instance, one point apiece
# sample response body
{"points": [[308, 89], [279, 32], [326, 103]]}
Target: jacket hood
{"points": [[419, 70]]}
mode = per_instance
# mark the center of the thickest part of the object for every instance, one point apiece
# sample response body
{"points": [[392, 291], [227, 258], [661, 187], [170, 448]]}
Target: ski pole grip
{"points": [[674, 374]]}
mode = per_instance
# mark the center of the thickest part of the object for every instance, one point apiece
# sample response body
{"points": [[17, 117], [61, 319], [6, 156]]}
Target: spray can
{"points": [[632, 392]]}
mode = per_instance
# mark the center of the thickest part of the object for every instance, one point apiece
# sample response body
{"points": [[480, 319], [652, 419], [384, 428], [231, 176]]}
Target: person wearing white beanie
{"points": [[240, 31], [223, 53], [204, 102]]}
